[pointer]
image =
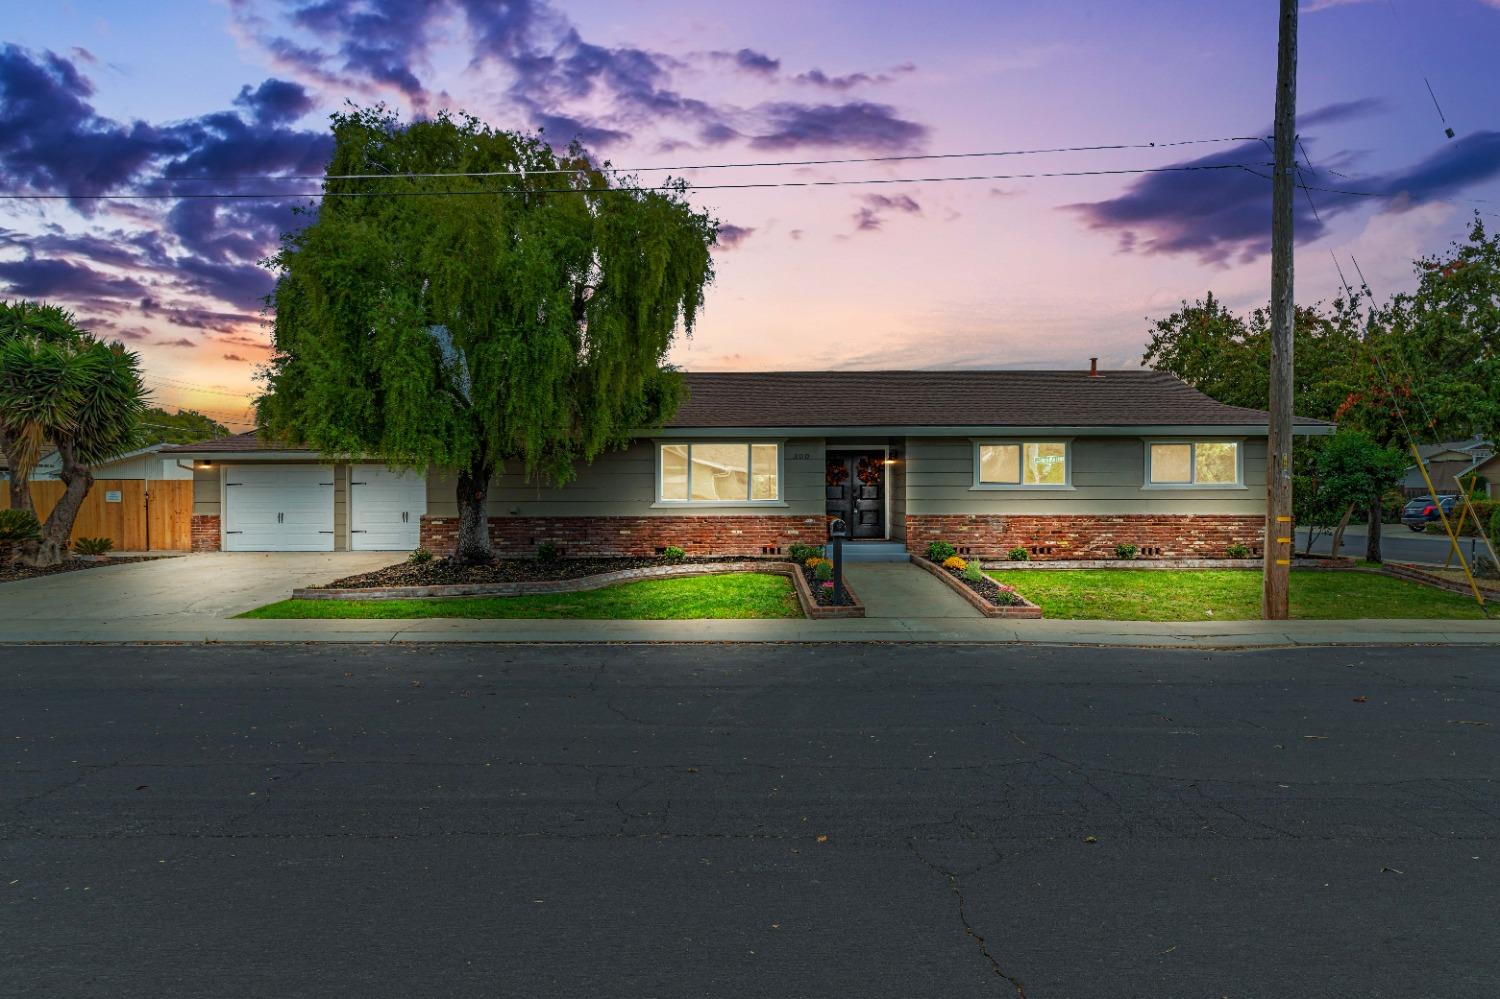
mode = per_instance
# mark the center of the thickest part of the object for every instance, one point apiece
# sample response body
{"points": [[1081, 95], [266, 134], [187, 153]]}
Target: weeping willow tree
{"points": [[478, 322]]}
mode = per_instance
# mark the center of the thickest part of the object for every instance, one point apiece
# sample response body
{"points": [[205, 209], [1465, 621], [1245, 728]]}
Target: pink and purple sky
{"points": [[99, 98]]}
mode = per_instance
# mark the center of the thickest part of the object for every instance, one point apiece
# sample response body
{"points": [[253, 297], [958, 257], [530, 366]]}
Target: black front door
{"points": [[855, 487]]}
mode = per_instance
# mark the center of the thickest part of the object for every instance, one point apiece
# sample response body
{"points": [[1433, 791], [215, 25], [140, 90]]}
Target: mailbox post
{"points": [[838, 531]]}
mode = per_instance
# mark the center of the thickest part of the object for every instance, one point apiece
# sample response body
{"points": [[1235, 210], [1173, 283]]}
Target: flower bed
{"points": [[452, 572], [987, 596]]}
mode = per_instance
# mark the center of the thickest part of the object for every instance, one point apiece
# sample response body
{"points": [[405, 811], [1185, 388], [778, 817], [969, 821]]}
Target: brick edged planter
{"points": [[810, 607], [1405, 570], [1300, 562], [1025, 609]]}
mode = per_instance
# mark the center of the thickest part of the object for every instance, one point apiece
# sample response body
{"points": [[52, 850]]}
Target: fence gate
{"points": [[136, 515]]}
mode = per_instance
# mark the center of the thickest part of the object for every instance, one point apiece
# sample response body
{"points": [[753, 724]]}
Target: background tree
{"points": [[62, 386], [467, 322], [1350, 471], [186, 426]]}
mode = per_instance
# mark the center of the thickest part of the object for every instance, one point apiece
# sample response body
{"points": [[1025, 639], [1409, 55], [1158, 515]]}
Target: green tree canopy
{"points": [[469, 321], [186, 426], [62, 386]]}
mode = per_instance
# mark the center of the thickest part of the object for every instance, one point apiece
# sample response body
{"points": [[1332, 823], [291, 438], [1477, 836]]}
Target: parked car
{"points": [[1420, 512]]}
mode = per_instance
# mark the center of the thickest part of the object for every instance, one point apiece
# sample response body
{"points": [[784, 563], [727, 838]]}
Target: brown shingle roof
{"points": [[723, 400], [951, 399]]}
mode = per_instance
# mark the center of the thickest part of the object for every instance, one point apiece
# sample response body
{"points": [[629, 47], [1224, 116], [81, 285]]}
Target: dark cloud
{"points": [[1223, 215], [39, 277], [818, 78], [378, 40], [858, 124], [750, 61], [871, 214], [1341, 111], [183, 342], [235, 357], [275, 102], [732, 237]]}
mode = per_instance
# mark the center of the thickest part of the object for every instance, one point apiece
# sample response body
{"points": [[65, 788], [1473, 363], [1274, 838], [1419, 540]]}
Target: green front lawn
{"points": [[731, 595], [1226, 595]]}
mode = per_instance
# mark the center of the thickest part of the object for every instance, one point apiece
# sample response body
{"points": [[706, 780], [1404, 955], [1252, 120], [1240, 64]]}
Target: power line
{"points": [[229, 195], [751, 164]]}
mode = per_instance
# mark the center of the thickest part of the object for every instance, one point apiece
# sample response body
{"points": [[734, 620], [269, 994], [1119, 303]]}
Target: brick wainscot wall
{"points": [[731, 534], [1081, 536], [205, 531]]}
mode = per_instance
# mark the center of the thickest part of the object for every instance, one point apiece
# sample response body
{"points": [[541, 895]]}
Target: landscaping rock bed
{"points": [[451, 572], [15, 571], [987, 596]]}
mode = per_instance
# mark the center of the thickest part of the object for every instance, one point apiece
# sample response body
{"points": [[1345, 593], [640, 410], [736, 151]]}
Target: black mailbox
{"points": [[838, 531]]}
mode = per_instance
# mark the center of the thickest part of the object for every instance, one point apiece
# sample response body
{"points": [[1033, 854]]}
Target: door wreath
{"points": [[869, 471], [836, 474]]}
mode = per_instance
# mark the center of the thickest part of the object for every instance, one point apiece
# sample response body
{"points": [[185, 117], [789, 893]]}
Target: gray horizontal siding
{"points": [[623, 484], [1108, 474]]}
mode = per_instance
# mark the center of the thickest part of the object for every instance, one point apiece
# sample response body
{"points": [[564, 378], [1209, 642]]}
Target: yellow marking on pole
{"points": [[1283, 520], [1447, 527], [1283, 561], [1284, 541]]}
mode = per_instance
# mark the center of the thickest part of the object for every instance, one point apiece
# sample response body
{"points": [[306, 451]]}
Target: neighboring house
{"points": [[1060, 462], [146, 463], [48, 459], [1445, 463], [1489, 470]]}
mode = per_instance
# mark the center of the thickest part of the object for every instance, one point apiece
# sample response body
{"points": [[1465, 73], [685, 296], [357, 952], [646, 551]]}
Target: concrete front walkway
{"points": [[193, 599], [901, 590]]}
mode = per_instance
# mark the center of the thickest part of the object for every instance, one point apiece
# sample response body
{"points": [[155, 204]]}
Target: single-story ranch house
{"points": [[1063, 463]]}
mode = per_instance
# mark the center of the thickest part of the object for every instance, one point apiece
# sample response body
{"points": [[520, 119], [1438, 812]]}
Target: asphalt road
{"points": [[650, 821], [1396, 542]]}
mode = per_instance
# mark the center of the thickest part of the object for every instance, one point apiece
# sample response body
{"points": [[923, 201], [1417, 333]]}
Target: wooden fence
{"points": [[135, 515]]}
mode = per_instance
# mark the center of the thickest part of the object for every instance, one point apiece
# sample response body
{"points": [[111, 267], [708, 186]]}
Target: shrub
{"points": [[17, 526], [823, 571], [548, 551], [939, 551], [1435, 527], [1237, 551], [955, 562], [1018, 554], [816, 561], [420, 556], [1125, 551], [1495, 526], [800, 552], [973, 573], [672, 553], [1007, 596], [93, 546]]}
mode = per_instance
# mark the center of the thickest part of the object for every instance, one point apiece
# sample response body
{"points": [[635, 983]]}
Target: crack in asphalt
{"points": [[968, 926]]}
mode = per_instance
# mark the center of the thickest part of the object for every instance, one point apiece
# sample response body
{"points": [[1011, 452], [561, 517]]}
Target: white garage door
{"points": [[385, 508], [278, 508]]}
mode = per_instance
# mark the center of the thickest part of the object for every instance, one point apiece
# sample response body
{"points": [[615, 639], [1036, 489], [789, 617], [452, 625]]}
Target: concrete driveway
{"points": [[168, 595]]}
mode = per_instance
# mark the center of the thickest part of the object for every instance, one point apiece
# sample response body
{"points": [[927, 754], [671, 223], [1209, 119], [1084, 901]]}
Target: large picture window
{"points": [[1193, 463], [1021, 464], [718, 472]]}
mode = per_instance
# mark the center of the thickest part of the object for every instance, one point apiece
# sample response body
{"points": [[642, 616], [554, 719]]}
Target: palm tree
{"points": [[60, 384]]}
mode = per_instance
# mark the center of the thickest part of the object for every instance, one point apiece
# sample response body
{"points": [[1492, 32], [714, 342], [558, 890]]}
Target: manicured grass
{"points": [[731, 595], [1229, 594]]}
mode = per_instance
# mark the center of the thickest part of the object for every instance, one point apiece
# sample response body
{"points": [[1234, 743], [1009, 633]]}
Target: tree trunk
{"points": [[1372, 547], [1337, 542], [473, 516], [20, 490], [57, 530]]}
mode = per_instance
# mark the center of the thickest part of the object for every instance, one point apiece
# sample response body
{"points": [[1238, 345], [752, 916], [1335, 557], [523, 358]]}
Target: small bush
{"points": [[420, 556], [672, 553], [1237, 551], [1495, 526], [955, 562], [1018, 554], [939, 551], [823, 571], [800, 552], [548, 551], [93, 546], [816, 561], [17, 526], [1125, 551], [1435, 527], [973, 573], [1007, 596]]}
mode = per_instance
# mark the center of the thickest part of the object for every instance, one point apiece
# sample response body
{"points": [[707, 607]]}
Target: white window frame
{"points": [[1021, 442], [780, 499], [1239, 462]]}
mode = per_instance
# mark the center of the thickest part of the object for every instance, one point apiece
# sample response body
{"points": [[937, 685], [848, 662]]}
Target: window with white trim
{"points": [[1193, 463], [1022, 464], [699, 472]]}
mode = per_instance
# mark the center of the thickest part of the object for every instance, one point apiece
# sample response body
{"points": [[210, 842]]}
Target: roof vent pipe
{"points": [[1093, 367]]}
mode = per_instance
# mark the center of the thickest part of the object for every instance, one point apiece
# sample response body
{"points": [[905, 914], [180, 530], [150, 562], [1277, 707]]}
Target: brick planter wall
{"points": [[205, 529], [1081, 536], [754, 534]]}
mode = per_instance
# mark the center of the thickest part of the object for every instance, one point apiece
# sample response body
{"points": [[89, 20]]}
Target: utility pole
{"points": [[1279, 525]]}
